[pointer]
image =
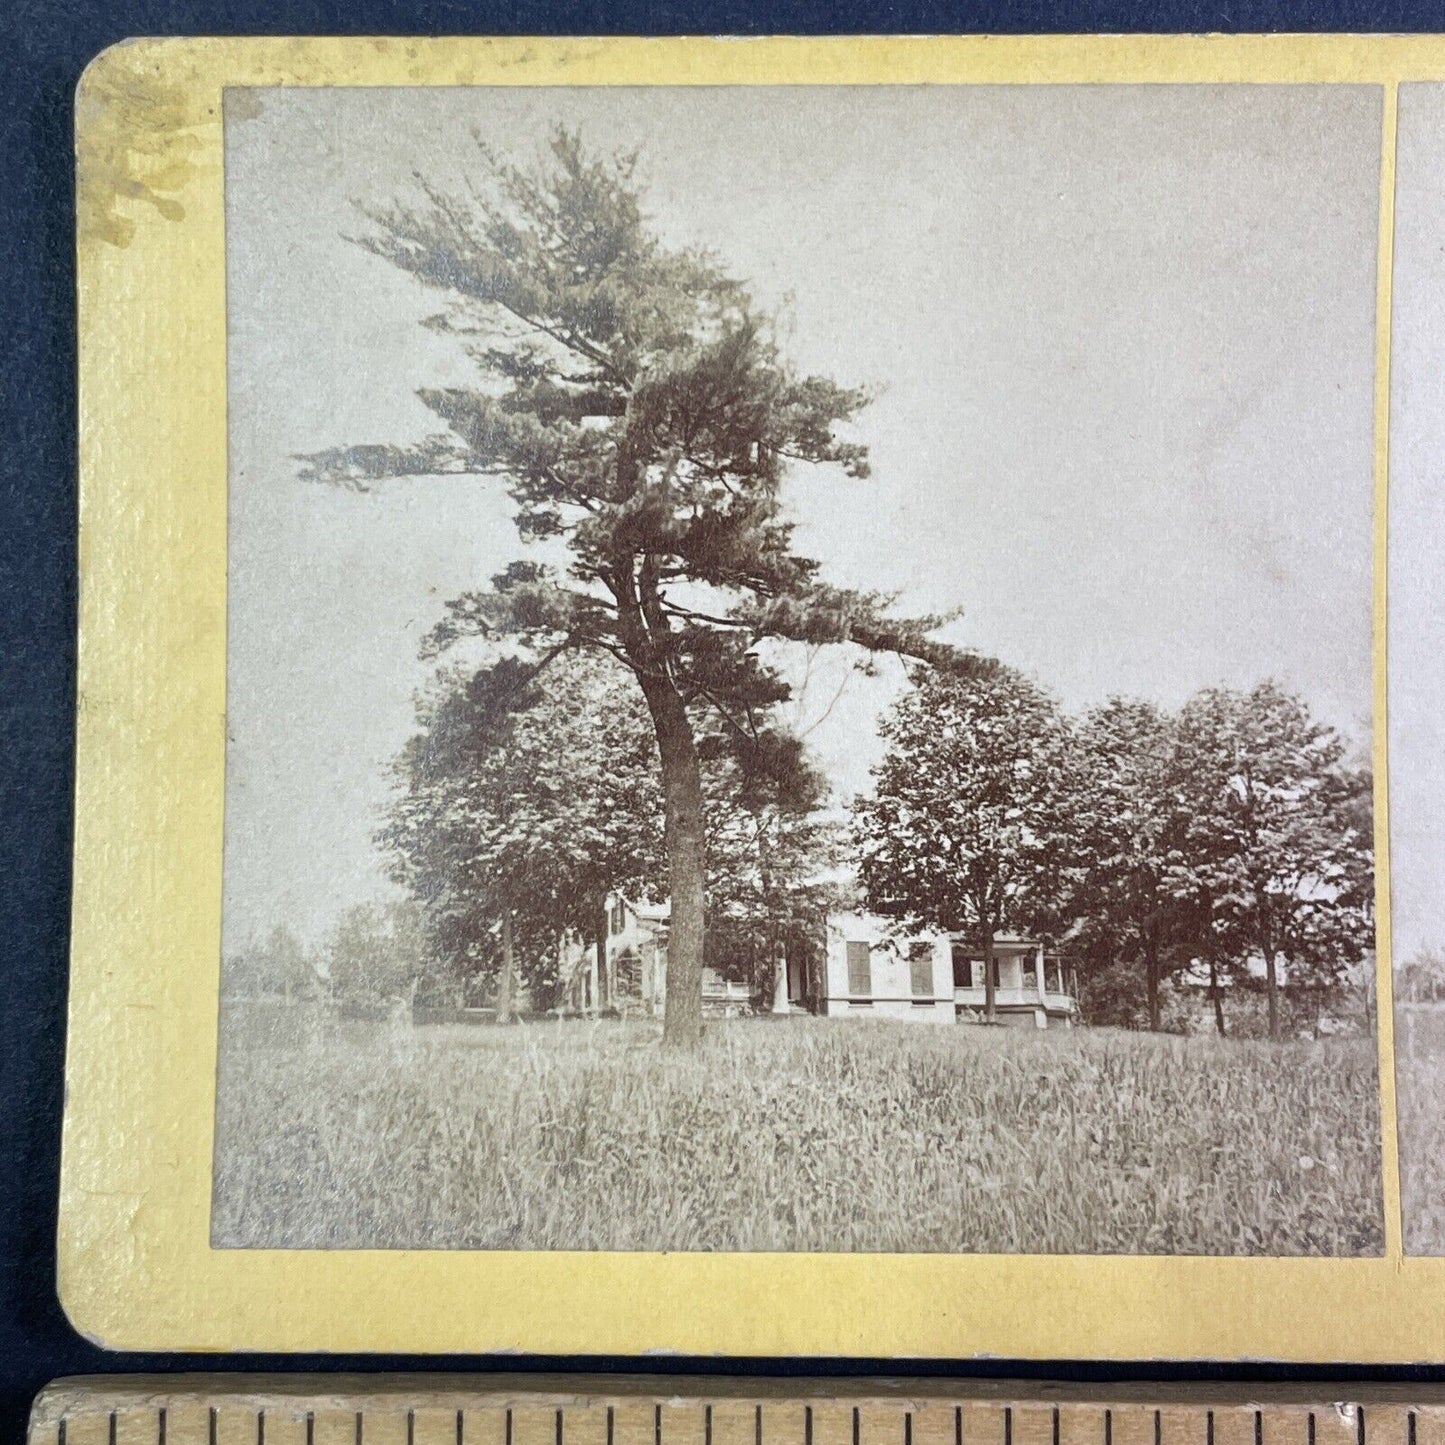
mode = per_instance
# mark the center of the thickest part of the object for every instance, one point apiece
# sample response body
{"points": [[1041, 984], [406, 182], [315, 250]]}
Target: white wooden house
{"points": [[1030, 985], [873, 969], [870, 968], [871, 972], [630, 976]]}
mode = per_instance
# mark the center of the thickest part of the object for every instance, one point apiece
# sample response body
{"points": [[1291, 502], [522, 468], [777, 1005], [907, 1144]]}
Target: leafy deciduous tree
{"points": [[769, 851], [521, 807], [375, 956], [1276, 831], [966, 830], [1122, 824]]}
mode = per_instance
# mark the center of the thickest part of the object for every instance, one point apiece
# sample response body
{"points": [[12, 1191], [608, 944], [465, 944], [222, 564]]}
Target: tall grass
{"points": [[803, 1134], [1420, 1077]]}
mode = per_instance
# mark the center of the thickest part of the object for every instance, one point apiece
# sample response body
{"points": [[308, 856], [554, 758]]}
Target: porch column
{"points": [[1039, 974], [780, 984]]}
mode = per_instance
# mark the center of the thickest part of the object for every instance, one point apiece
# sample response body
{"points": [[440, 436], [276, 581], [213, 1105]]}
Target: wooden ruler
{"points": [[579, 1410]]}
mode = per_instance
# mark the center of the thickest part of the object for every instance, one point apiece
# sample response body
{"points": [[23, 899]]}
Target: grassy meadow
{"points": [[1420, 1082], [797, 1134]]}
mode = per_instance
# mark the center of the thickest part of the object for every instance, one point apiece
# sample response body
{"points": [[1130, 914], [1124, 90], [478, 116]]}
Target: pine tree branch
{"points": [[357, 467]]}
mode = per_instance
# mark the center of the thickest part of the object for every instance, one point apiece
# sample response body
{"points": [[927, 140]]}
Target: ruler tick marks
{"points": [[360, 1419]]}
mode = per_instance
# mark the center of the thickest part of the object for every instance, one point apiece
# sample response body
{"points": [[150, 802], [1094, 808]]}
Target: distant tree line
{"points": [[372, 958], [1422, 979], [1151, 846]]}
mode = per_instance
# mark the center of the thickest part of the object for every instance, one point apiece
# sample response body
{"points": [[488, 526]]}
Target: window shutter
{"points": [[920, 966], [860, 969]]}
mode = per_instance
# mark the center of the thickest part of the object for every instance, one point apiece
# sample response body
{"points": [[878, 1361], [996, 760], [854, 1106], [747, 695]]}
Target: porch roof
{"points": [[1005, 945]]}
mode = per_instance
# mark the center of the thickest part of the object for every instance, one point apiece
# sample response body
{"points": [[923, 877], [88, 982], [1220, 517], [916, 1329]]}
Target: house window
{"points": [[619, 916], [920, 968], [860, 969], [962, 967]]}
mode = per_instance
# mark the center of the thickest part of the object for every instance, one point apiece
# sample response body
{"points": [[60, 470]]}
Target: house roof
{"points": [[650, 912], [1006, 941]]}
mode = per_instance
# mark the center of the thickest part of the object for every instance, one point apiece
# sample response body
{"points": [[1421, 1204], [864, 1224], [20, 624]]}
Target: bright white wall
{"points": [[892, 975]]}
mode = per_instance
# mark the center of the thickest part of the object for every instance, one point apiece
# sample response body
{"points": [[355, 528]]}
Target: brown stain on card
{"points": [[135, 146]]}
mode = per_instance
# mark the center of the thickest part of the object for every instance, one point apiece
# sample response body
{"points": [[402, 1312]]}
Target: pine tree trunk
{"points": [[686, 862], [990, 988], [504, 980], [1216, 995]]}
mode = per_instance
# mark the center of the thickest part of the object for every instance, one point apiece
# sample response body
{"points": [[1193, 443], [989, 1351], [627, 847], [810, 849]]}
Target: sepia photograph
{"points": [[1417, 625], [800, 672]]}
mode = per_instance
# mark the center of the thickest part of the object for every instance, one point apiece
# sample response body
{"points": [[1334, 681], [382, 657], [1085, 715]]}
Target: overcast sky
{"points": [[1122, 340], [1417, 527]]}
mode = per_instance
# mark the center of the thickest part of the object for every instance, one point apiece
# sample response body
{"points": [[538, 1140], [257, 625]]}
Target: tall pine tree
{"points": [[634, 401]]}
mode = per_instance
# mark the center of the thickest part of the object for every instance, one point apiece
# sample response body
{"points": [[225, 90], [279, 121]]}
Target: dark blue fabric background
{"points": [[43, 47]]}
